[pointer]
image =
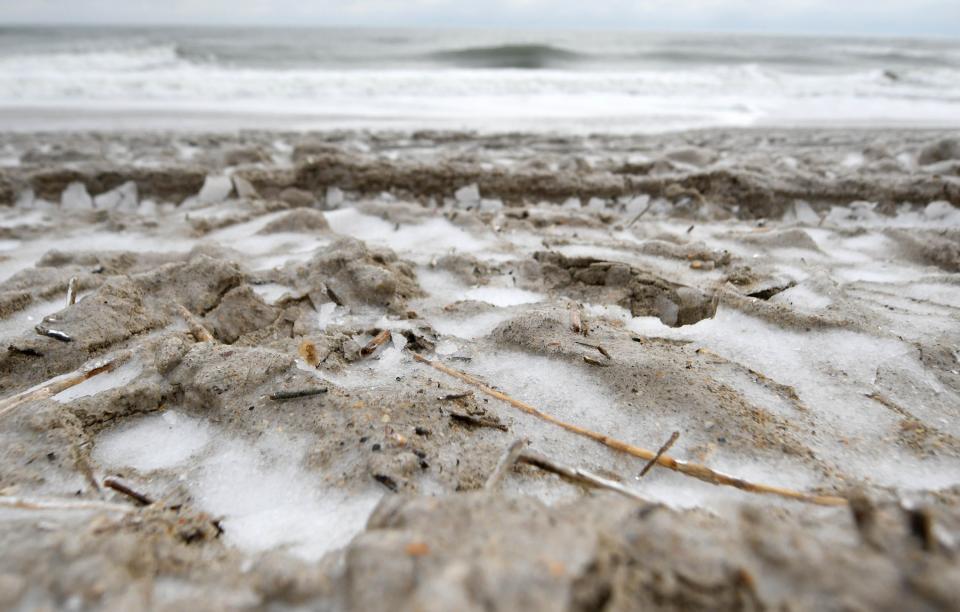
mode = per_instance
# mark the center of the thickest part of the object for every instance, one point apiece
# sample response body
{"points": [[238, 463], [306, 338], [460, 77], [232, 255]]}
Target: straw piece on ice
{"points": [[701, 472], [58, 384], [576, 474], [27, 503]]}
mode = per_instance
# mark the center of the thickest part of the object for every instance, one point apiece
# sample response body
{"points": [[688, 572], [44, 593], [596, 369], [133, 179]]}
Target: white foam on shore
{"points": [[267, 499]]}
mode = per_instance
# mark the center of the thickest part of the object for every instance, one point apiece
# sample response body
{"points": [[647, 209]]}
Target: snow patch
{"points": [[503, 296], [469, 327], [154, 442], [260, 488]]}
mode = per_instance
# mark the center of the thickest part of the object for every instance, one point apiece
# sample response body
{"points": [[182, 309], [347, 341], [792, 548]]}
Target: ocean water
{"points": [[61, 78]]}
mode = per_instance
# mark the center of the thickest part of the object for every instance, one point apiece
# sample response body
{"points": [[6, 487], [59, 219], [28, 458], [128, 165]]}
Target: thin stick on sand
{"points": [[506, 462], [577, 474], [694, 470], [58, 384], [660, 453], [123, 488], [642, 212], [281, 396], [27, 503]]}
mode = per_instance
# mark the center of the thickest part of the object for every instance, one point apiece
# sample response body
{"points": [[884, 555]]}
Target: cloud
{"points": [[837, 16]]}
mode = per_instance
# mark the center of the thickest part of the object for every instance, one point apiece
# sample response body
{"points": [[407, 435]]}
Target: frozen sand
{"points": [[817, 353]]}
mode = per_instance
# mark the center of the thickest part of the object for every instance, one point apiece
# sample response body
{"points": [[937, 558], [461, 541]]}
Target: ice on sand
{"points": [[267, 499]]}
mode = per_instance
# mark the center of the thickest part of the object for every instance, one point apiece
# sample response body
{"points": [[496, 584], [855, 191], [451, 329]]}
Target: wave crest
{"points": [[525, 56]]}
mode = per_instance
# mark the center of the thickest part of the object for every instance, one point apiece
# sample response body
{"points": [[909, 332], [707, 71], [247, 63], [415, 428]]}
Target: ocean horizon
{"points": [[87, 77]]}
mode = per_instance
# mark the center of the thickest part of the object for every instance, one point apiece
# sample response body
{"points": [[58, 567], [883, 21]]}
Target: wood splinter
{"points": [[597, 347], [377, 341], [197, 330], [595, 362], [700, 472]]}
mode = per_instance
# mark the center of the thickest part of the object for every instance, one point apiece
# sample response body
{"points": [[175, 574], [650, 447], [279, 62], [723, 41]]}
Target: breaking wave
{"points": [[525, 56]]}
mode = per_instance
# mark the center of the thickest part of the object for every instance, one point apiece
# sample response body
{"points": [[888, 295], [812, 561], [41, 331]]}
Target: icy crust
{"points": [[269, 400], [261, 490]]}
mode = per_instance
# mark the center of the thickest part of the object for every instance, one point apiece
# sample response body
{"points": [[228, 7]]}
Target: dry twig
{"points": [[642, 212], [455, 396], [660, 453], [280, 396], [477, 420], [120, 487], [695, 470], [577, 474], [506, 462]]}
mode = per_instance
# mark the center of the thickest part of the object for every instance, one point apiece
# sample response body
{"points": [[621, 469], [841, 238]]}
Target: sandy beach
{"points": [[395, 370]]}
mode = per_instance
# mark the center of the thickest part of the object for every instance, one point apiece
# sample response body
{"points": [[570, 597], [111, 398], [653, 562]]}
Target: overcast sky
{"points": [[898, 17]]}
